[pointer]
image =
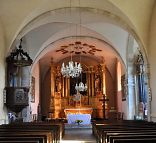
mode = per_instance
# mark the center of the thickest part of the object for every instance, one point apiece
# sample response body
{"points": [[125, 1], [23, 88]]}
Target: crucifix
{"points": [[104, 100]]}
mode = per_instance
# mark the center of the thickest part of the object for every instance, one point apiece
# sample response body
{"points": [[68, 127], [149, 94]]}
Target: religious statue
{"points": [[98, 80], [97, 84], [58, 84], [58, 80], [77, 99]]}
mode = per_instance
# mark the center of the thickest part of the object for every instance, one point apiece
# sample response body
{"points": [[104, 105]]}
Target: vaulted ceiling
{"points": [[89, 35], [49, 27]]}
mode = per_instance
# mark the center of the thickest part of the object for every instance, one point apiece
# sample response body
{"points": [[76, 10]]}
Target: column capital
{"points": [[91, 68], [103, 67]]}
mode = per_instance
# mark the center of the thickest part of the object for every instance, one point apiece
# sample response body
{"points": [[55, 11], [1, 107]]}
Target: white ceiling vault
{"points": [[50, 31]]}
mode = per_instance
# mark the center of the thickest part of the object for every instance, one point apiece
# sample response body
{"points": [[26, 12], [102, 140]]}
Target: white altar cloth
{"points": [[86, 118]]}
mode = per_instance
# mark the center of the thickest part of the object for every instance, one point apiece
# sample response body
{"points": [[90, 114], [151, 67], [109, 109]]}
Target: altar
{"points": [[79, 113], [85, 118]]}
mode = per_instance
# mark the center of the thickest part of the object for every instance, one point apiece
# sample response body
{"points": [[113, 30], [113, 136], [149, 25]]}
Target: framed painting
{"points": [[123, 87], [32, 89]]}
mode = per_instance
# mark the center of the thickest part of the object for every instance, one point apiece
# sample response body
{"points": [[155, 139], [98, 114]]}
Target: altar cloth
{"points": [[86, 118]]}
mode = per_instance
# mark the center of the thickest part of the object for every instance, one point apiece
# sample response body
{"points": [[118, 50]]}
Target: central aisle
{"points": [[78, 135]]}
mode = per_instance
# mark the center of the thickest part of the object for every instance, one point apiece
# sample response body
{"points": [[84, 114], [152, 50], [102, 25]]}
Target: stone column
{"points": [[131, 97]]}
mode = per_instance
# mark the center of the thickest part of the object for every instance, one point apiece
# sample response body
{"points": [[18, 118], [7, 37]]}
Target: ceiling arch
{"points": [[96, 26], [42, 35]]}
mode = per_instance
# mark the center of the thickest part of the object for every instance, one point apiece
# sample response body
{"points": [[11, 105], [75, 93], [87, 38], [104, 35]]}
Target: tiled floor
{"points": [[78, 135]]}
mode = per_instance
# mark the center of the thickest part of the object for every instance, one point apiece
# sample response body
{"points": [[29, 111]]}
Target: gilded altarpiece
{"points": [[63, 97]]}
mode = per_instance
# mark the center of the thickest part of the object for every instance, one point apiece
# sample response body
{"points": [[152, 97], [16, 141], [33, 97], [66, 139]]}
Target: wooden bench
{"points": [[132, 132], [54, 130], [45, 136], [18, 141], [101, 128], [53, 122], [141, 140]]}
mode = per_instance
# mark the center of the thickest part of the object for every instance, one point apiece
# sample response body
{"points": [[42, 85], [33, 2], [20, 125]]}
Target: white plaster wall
{"points": [[119, 93], [35, 73], [121, 105], [115, 34], [139, 12], [152, 61], [3, 110]]}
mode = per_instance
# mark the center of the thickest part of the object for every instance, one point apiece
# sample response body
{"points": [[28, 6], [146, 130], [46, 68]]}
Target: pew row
{"points": [[51, 133], [104, 131]]}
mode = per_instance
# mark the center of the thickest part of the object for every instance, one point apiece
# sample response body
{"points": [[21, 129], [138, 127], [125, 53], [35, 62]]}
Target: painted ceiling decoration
{"points": [[78, 48]]}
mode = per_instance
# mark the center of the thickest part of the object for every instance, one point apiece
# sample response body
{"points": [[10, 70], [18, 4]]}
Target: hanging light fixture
{"points": [[72, 69], [81, 87]]}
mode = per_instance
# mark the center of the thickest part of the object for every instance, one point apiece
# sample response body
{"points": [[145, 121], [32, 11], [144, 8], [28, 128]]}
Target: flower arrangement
{"points": [[78, 121]]}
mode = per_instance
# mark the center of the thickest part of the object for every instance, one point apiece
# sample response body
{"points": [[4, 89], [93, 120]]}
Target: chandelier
{"points": [[81, 87], [73, 70]]}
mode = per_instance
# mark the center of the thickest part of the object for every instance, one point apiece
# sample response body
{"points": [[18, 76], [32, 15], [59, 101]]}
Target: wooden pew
{"points": [[29, 127], [131, 133], [60, 123], [141, 140], [102, 131], [33, 136], [100, 128], [21, 139], [18, 141], [107, 132], [53, 122], [131, 136]]}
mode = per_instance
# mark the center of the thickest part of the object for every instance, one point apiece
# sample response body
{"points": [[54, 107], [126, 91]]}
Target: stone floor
{"points": [[78, 134]]}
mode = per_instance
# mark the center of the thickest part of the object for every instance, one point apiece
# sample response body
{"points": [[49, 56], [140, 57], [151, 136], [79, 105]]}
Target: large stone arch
{"points": [[120, 17], [112, 7]]}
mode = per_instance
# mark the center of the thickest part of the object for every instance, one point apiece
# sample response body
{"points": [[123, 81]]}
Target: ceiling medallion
{"points": [[78, 48]]}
